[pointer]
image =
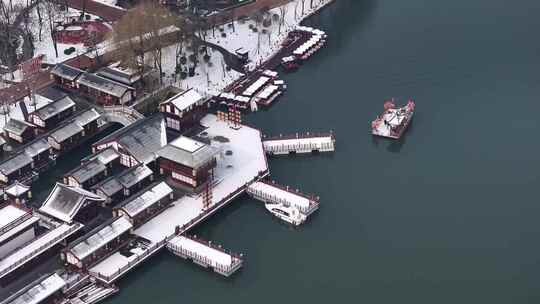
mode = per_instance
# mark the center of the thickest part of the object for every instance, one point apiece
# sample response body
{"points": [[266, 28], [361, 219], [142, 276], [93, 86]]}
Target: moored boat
{"points": [[394, 121], [288, 214]]}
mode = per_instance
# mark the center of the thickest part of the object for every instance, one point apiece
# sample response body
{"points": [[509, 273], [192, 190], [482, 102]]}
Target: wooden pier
{"points": [[272, 193], [300, 143], [205, 254]]}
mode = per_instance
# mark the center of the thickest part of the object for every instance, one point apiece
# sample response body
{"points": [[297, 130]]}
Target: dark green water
{"points": [[448, 215]]}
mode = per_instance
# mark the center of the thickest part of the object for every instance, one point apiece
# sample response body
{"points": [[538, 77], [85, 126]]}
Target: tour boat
{"points": [[288, 214], [289, 63], [393, 122]]}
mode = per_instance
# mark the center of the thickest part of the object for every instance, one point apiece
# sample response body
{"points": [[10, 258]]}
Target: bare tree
{"points": [[142, 30]]}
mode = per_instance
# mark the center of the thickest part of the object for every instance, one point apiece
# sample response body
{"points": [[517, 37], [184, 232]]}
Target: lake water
{"points": [[449, 214]]}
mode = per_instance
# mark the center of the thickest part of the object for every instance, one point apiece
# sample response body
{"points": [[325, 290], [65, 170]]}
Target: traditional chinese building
{"points": [[50, 116], [146, 204], [104, 91], [19, 130], [39, 151], [71, 133], [98, 243], [46, 289], [184, 110], [17, 194], [17, 227], [118, 188], [187, 161], [65, 75], [134, 78], [69, 203], [138, 142], [17, 167], [93, 169]]}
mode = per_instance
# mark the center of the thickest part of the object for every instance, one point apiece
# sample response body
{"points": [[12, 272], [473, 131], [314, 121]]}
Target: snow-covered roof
{"points": [[123, 74], [14, 220], [50, 93], [270, 73], [140, 139], [54, 108], [254, 87], [215, 256], [268, 91], [14, 163], [65, 201], [99, 237], [103, 84], [87, 170], [17, 126], [10, 214], [66, 131], [134, 175], [16, 189], [109, 186], [65, 71], [75, 126], [86, 117], [37, 147], [185, 99], [37, 246], [293, 198], [188, 152], [37, 291], [106, 156], [146, 199]]}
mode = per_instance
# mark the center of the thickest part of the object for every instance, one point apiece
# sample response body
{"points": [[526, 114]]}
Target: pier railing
{"points": [[265, 196], [236, 260], [300, 136]]}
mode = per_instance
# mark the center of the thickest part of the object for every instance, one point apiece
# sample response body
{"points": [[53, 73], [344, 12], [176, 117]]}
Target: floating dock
{"points": [[205, 254], [300, 143], [272, 193]]}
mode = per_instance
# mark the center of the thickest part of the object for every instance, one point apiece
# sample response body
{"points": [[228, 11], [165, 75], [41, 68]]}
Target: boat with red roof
{"points": [[394, 121]]}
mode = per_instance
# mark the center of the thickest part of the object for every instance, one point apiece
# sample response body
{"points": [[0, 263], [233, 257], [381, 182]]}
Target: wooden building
{"points": [[98, 244], [71, 133], [130, 77], [17, 167], [138, 142], [93, 169], [51, 115], [17, 227], [69, 203], [120, 187], [187, 161], [66, 76], [46, 289], [146, 204], [19, 130], [17, 194], [39, 151], [184, 110], [104, 91]]}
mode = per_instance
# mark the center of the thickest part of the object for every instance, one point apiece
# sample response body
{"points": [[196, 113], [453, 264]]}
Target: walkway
{"points": [[107, 12]]}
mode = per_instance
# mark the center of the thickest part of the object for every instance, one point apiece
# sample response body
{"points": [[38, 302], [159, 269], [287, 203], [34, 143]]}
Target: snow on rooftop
{"points": [[40, 244], [268, 91], [16, 189], [14, 229], [186, 99], [9, 214], [232, 172], [216, 257], [254, 87], [65, 201], [147, 199], [101, 237], [188, 144], [37, 291]]}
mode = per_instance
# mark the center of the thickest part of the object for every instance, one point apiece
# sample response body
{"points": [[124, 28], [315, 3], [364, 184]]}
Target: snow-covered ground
{"points": [[232, 172], [211, 79]]}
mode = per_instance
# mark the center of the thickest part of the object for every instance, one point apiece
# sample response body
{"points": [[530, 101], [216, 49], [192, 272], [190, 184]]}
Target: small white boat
{"points": [[286, 213]]}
